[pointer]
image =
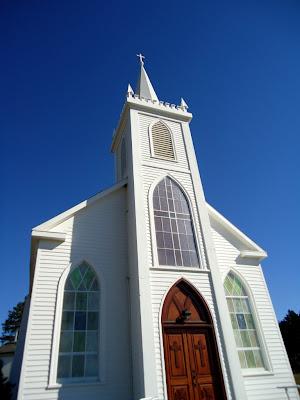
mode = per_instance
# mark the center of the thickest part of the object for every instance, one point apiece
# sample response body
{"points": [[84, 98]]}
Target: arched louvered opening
{"points": [[243, 323], [78, 348], [175, 236], [162, 143], [123, 159]]}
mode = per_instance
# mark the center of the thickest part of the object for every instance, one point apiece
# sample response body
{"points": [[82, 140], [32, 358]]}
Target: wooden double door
{"points": [[191, 357]]}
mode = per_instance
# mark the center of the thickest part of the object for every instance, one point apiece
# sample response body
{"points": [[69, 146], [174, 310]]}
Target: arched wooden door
{"points": [[193, 370]]}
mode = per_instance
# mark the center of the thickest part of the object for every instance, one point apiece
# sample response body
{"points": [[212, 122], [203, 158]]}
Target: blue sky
{"points": [[64, 71]]}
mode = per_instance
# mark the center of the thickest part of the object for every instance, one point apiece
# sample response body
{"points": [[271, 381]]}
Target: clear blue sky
{"points": [[64, 71]]}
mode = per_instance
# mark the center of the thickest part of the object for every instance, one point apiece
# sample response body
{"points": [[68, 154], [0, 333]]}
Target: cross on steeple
{"points": [[141, 57]]}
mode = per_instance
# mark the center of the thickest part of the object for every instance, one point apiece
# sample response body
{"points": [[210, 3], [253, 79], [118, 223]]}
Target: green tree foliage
{"points": [[12, 323], [290, 330]]}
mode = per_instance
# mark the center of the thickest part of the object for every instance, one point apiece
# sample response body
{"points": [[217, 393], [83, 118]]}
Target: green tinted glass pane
{"points": [[250, 358], [246, 307], [67, 322], [83, 268], [75, 278], [249, 321], [78, 366], [91, 365], [66, 339], [92, 341], [228, 285], [69, 284], [241, 321], [79, 342], [230, 305], [88, 278], [238, 306], [242, 359], [64, 366], [81, 301], [253, 339], [82, 287], [245, 338], [258, 359], [234, 321], [93, 301], [69, 301], [92, 321], [238, 338]]}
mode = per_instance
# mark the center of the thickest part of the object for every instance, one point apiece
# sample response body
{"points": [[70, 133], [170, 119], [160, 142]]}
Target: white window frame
{"points": [[267, 369], [52, 382], [152, 152], [155, 262]]}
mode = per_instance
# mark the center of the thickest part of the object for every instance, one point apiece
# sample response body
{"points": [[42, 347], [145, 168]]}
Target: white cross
{"points": [[141, 57]]}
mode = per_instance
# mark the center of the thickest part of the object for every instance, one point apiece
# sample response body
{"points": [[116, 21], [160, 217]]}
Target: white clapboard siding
{"points": [[97, 233], [259, 387], [145, 122]]}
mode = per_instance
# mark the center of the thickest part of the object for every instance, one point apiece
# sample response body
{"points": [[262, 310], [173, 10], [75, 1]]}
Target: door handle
{"points": [[194, 378]]}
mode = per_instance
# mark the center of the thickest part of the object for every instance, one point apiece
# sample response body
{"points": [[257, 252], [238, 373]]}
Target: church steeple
{"points": [[144, 86]]}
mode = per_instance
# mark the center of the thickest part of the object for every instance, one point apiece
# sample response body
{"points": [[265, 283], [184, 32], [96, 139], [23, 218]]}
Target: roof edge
{"points": [[255, 251], [58, 219]]}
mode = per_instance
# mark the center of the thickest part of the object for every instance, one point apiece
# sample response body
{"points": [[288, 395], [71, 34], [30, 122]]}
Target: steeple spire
{"points": [[144, 86]]}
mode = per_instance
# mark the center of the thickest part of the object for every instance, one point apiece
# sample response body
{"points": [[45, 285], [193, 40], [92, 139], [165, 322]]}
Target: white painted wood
{"points": [[96, 233], [259, 385]]}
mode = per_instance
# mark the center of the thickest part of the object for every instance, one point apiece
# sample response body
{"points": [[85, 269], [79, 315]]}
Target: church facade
{"points": [[145, 290]]}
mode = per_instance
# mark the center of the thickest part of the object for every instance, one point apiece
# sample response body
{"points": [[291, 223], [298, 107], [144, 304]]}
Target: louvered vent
{"points": [[162, 141]]}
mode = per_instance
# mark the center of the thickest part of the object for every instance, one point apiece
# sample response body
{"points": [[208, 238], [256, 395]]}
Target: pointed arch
{"points": [[191, 358], [161, 141], [183, 296], [176, 242], [244, 322], [78, 352]]}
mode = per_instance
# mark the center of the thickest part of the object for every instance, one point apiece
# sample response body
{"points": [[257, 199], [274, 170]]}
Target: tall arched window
{"points": [[243, 324], [162, 143], [78, 348], [175, 236]]}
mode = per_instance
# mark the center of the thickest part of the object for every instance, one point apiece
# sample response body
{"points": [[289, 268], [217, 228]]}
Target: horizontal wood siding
{"points": [[260, 387], [98, 235], [161, 282], [175, 127]]}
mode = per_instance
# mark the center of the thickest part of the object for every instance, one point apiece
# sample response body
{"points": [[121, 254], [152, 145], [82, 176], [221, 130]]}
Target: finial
{"points": [[141, 57], [129, 91], [183, 105]]}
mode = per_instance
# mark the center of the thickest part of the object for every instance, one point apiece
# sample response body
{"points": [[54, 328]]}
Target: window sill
{"points": [[179, 269], [56, 386], [257, 372]]}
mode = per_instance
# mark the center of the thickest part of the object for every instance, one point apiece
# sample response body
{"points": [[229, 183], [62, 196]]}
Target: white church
{"points": [[145, 290]]}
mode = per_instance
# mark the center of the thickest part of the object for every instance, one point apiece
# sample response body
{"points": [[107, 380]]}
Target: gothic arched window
{"points": [[162, 143], [78, 347], [175, 238], [243, 324]]}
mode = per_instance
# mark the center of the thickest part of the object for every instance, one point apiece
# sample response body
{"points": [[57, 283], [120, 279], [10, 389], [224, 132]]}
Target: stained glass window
{"points": [[242, 323], [175, 236], [78, 348]]}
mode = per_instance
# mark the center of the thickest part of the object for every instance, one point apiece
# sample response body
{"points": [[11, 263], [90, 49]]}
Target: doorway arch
{"points": [[192, 363]]}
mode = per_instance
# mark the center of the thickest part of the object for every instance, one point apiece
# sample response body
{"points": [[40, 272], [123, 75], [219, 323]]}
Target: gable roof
{"points": [[248, 248], [58, 219]]}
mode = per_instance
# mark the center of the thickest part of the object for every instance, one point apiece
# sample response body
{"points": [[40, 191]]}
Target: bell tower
{"points": [[169, 232]]}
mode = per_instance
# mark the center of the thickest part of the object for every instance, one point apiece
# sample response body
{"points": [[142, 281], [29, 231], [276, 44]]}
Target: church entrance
{"points": [[193, 370]]}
